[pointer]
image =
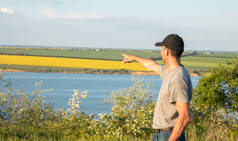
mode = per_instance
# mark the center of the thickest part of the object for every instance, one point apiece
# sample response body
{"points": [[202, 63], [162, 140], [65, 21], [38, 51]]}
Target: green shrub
{"points": [[132, 110], [214, 105]]}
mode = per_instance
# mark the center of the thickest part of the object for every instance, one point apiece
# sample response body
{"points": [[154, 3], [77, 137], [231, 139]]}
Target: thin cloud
{"points": [[6, 10], [51, 14], [195, 37]]}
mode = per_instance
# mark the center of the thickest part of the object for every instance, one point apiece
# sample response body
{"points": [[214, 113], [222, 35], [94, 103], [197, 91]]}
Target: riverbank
{"points": [[81, 72], [12, 70]]}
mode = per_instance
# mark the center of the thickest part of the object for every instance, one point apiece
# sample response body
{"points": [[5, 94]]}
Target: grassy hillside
{"points": [[104, 54]]}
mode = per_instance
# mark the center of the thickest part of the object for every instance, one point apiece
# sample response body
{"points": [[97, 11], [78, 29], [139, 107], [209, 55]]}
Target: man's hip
{"points": [[164, 134]]}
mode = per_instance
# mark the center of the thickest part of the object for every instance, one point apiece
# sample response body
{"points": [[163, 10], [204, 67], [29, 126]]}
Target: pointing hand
{"points": [[127, 58]]}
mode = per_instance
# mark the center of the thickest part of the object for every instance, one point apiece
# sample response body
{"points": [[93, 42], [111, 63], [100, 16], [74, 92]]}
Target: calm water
{"points": [[99, 87]]}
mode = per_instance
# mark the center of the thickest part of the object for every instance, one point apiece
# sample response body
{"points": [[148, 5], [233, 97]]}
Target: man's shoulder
{"points": [[181, 74]]}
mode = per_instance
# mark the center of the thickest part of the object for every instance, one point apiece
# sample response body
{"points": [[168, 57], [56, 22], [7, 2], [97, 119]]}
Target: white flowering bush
{"points": [[25, 115], [132, 110], [131, 114], [76, 101], [21, 113], [22, 106]]}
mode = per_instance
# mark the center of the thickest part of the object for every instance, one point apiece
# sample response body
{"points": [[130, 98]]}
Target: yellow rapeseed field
{"points": [[68, 62]]}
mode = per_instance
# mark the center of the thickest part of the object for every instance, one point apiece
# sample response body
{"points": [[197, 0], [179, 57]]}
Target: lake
{"points": [[99, 87]]}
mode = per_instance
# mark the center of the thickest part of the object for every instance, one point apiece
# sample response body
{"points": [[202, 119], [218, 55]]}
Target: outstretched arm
{"points": [[147, 63]]}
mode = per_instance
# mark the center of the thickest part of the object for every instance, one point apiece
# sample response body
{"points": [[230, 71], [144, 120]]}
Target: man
{"points": [[171, 115]]}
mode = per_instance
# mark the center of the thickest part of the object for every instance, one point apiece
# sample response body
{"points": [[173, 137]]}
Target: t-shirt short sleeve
{"points": [[178, 91], [161, 70]]}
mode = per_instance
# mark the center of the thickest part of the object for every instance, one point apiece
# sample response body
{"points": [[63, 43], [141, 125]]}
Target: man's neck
{"points": [[173, 63]]}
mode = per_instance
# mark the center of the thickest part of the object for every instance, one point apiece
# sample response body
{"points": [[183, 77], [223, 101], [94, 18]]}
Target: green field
{"points": [[194, 61], [218, 54], [104, 54]]}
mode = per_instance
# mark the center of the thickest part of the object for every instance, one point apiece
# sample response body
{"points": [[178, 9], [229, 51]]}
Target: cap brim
{"points": [[158, 44]]}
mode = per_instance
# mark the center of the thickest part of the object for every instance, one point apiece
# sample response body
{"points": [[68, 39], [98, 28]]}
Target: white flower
{"points": [[84, 94], [76, 101], [100, 115], [76, 92], [78, 98], [73, 100], [38, 84], [77, 105]]}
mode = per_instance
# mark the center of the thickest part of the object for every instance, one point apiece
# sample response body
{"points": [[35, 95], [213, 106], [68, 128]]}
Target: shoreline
{"points": [[12, 70], [80, 72]]}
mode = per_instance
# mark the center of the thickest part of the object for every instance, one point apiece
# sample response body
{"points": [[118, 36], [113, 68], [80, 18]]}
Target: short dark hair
{"points": [[176, 54]]}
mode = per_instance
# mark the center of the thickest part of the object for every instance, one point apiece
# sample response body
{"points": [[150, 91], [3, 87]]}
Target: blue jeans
{"points": [[164, 136]]}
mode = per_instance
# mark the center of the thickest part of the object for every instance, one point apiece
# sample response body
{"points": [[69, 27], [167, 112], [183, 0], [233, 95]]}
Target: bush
{"points": [[215, 103], [22, 114], [132, 110], [29, 117], [131, 115]]}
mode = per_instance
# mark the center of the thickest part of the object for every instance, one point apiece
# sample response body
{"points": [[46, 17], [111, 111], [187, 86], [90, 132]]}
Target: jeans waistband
{"points": [[163, 130]]}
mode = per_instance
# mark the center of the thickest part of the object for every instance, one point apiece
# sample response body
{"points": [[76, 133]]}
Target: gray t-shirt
{"points": [[176, 87]]}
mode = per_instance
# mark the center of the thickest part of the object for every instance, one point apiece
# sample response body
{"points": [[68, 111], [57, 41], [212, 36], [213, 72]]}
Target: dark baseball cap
{"points": [[173, 42]]}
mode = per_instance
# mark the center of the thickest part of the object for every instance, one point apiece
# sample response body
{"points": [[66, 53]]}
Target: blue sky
{"points": [[132, 24]]}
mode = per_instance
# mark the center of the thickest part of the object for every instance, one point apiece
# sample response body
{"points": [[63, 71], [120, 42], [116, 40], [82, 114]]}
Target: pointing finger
{"points": [[123, 54]]}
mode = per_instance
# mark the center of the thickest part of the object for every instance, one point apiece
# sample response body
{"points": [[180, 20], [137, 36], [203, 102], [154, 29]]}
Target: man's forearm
{"points": [[179, 127], [147, 63]]}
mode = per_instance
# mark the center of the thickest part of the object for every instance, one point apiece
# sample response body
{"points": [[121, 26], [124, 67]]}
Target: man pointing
{"points": [[171, 115]]}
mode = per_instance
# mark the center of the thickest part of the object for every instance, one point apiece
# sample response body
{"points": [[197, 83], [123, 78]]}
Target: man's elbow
{"points": [[187, 120]]}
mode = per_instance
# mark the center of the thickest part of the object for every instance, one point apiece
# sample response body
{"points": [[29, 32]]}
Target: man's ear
{"points": [[167, 52]]}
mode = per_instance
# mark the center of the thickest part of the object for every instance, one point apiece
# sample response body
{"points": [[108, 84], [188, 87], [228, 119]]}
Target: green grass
{"points": [[218, 54], [202, 64], [37, 138], [206, 59], [46, 69], [80, 53]]}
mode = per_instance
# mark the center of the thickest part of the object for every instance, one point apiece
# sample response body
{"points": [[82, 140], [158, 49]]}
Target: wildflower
{"points": [[22, 109], [76, 92], [38, 84], [76, 101], [100, 116], [84, 94], [76, 105]]}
